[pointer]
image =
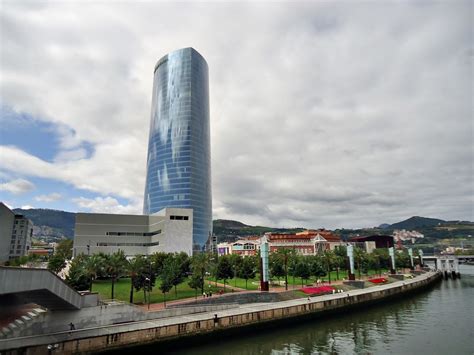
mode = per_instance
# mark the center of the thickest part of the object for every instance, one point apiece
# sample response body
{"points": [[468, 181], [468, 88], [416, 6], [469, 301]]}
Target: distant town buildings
{"points": [[15, 234], [179, 159], [309, 242], [404, 235], [169, 230]]}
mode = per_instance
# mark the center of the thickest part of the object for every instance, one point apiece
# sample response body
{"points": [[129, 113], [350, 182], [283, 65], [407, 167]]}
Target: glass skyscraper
{"points": [[179, 156]]}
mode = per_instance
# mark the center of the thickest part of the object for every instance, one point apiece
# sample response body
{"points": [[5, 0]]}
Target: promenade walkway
{"points": [[201, 317]]}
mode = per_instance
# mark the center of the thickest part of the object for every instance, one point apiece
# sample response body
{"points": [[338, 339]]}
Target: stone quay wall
{"points": [[119, 336]]}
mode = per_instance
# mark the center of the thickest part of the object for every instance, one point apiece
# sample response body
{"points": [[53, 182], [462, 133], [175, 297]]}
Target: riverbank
{"points": [[118, 336]]}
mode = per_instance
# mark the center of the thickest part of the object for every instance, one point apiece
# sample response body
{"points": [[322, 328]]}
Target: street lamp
{"points": [[149, 284]]}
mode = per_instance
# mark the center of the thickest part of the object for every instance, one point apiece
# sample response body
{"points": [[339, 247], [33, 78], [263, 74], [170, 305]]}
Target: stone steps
{"points": [[11, 330]]}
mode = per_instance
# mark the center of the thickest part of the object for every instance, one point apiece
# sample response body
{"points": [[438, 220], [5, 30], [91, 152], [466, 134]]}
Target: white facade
{"points": [[169, 230]]}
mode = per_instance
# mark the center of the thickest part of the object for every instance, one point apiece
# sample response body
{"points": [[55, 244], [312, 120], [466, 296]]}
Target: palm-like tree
{"points": [[329, 259], [93, 266], [134, 269], [359, 256], [115, 266]]}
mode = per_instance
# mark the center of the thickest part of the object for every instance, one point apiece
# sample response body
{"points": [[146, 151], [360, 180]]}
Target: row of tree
{"points": [[172, 269]]}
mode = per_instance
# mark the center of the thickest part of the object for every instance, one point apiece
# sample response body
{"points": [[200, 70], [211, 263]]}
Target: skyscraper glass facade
{"points": [[179, 162]]}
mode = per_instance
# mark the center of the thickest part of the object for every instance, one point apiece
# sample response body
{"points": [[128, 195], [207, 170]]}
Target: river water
{"points": [[436, 321]]}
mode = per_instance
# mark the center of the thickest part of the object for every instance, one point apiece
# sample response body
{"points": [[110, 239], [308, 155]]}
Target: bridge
{"points": [[42, 287], [449, 264]]}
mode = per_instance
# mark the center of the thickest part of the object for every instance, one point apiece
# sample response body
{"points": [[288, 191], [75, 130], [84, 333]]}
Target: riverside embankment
{"points": [[118, 336]]}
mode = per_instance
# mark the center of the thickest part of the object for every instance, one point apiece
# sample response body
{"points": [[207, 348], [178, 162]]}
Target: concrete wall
{"points": [[93, 230], [7, 218], [58, 321], [42, 287], [152, 331]]}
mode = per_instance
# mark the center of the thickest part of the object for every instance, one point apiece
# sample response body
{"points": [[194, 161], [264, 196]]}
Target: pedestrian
{"points": [[210, 293], [204, 295], [72, 326]]}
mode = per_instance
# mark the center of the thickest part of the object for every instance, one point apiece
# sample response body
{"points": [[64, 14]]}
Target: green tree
{"points": [[302, 270], [134, 268], [196, 282], [247, 270], [236, 261], [93, 266], [158, 260], [317, 266], [359, 256], [116, 267], [64, 248], [56, 263], [276, 265], [199, 266], [77, 277], [329, 259], [167, 276], [224, 269]]}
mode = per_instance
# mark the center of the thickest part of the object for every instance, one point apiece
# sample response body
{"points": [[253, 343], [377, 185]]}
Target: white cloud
{"points": [[26, 207], [48, 198], [106, 205], [17, 186], [322, 114]]}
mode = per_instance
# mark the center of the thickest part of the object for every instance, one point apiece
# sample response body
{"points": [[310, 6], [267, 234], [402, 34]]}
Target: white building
{"points": [[169, 230]]}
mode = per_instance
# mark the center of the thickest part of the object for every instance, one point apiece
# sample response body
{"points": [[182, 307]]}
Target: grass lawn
{"points": [[252, 284], [122, 291]]}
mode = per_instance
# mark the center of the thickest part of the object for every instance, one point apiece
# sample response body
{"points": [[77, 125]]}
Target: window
{"points": [[179, 218]]}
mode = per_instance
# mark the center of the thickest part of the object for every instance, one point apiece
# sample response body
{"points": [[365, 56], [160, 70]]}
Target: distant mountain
{"points": [[417, 222], [384, 226], [228, 224], [50, 222]]}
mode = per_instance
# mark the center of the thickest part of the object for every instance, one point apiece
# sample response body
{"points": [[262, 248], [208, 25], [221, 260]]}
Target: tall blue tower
{"points": [[179, 153]]}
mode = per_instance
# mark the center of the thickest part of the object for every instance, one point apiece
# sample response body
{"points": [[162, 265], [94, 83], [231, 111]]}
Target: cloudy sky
{"points": [[323, 114]]}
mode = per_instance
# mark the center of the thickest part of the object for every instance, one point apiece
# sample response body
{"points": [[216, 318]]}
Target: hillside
{"points": [[50, 222], [54, 224], [416, 222]]}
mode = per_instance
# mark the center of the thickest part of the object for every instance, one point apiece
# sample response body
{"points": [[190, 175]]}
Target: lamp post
{"points": [[147, 279]]}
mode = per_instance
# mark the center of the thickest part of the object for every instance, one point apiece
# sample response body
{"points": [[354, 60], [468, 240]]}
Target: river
{"points": [[436, 321]]}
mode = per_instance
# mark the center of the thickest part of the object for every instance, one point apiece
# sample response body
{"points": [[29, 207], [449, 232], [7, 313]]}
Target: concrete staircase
{"points": [[14, 328]]}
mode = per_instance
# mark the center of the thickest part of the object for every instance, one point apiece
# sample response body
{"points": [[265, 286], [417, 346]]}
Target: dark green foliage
{"points": [[416, 222], [224, 269], [64, 249], [56, 263], [247, 269], [77, 277], [302, 270]]}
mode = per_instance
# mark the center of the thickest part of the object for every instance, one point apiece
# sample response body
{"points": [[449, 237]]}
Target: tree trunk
{"points": [[245, 283], [164, 298], [90, 285], [358, 266], [113, 284], [329, 274], [144, 293], [131, 290], [224, 284], [286, 275], [175, 291], [337, 273]]}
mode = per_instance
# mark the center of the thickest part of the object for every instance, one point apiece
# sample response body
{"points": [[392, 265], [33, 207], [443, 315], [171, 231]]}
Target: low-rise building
{"points": [[381, 241], [309, 242], [169, 230]]}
